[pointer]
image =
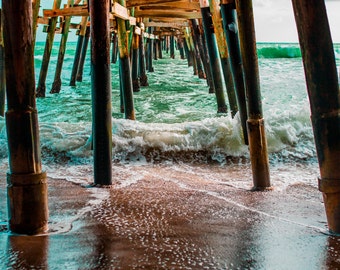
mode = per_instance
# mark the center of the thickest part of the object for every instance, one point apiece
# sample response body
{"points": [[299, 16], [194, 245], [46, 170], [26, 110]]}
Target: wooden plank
{"points": [[119, 11], [176, 5], [167, 24], [80, 10], [167, 13], [135, 3]]}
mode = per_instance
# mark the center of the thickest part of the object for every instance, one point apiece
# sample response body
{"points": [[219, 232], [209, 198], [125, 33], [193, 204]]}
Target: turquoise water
{"points": [[176, 116]]}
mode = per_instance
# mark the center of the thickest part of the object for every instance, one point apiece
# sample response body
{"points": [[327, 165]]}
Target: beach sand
{"points": [[177, 216]]}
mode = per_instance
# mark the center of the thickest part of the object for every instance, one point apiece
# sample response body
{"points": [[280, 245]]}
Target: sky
{"points": [[274, 20]]}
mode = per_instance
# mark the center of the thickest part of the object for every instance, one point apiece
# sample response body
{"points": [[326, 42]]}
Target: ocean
{"points": [[179, 142], [176, 117]]}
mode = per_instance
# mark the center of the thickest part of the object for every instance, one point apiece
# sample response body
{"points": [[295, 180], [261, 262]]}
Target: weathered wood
{"points": [[172, 47], [178, 25], [2, 69], [187, 52], [35, 7], [214, 59], [114, 51], [80, 70], [76, 60], [133, 3], [41, 89], [324, 96], [125, 68], [56, 86], [81, 10], [185, 6], [150, 52], [224, 55], [256, 131], [142, 68], [135, 63], [101, 92], [228, 12], [201, 67], [168, 14], [27, 184], [119, 11], [79, 49]]}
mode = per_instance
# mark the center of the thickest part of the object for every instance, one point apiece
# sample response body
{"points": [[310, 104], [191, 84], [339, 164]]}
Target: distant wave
{"points": [[285, 50], [279, 51]]}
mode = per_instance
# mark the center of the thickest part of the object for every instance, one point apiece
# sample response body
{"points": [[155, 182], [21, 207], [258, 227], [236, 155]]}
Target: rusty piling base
{"points": [[143, 80], [258, 154], [136, 85], [330, 189], [27, 203], [41, 91]]}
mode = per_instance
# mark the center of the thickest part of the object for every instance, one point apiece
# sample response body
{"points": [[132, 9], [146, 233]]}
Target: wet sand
{"points": [[178, 217]]}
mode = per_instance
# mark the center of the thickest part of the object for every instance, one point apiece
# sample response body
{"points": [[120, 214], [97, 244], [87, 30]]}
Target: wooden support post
{"points": [[323, 90], [41, 89], [215, 64], [125, 67], [76, 60], [187, 52], [256, 130], [155, 49], [80, 41], [27, 184], [35, 7], [79, 77], [150, 52], [135, 63], [2, 69], [114, 53], [142, 71], [202, 63], [62, 48], [224, 55], [101, 92], [181, 47], [160, 54], [228, 12], [172, 47]]}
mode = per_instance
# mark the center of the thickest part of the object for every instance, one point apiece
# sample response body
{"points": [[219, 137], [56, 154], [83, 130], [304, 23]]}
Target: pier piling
{"points": [[26, 183], [255, 124], [79, 48], [135, 63], [228, 12], [215, 64], [125, 69], [101, 92], [224, 55], [41, 89], [79, 77], [324, 96], [2, 69], [143, 78], [62, 48]]}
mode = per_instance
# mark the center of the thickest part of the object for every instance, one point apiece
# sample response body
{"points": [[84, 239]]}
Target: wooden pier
{"points": [[217, 38]]}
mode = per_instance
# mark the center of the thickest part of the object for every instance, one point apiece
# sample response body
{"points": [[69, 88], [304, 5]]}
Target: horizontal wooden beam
{"points": [[185, 6], [117, 10], [167, 24], [136, 3], [168, 14], [81, 10]]}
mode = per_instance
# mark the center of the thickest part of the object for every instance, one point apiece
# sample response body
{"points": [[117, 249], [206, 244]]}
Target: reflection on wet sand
{"points": [[179, 217]]}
